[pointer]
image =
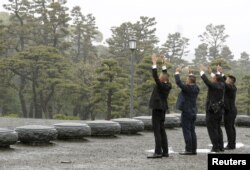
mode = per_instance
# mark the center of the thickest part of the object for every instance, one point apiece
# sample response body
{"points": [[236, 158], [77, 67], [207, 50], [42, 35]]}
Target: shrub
{"points": [[65, 117], [12, 115]]}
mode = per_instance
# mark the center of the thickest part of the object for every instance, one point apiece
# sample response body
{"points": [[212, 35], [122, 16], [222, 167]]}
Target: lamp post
{"points": [[132, 47]]}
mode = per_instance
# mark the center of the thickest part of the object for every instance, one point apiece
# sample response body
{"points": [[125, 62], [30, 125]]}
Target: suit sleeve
{"points": [[208, 82], [179, 83]]}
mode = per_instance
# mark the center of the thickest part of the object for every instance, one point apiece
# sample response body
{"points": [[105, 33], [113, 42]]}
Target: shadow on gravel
{"points": [[132, 134], [6, 149], [73, 140], [36, 144], [105, 137]]}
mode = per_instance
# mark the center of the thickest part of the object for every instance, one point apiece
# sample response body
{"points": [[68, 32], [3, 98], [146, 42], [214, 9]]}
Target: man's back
{"points": [[187, 97], [160, 93], [230, 96], [215, 90]]}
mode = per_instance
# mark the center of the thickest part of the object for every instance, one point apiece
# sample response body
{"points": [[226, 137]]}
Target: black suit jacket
{"points": [[215, 90], [158, 99], [230, 96], [186, 101]]}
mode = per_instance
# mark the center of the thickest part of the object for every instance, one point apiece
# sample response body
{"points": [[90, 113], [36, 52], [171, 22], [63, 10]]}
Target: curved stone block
{"points": [[104, 128], [200, 120], [7, 137], [36, 134], [242, 120], [172, 121], [130, 126], [72, 130], [147, 120]]}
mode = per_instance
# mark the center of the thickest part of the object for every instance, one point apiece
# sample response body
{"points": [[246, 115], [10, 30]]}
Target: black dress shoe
{"points": [[165, 155], [221, 149], [215, 150], [188, 153], [154, 156], [229, 148]]}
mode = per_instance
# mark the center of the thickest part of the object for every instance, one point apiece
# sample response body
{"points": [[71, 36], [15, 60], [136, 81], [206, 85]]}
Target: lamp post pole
{"points": [[132, 85], [132, 46]]}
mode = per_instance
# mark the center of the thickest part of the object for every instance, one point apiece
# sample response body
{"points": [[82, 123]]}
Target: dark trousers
{"points": [[188, 129], [213, 121], [161, 141], [229, 120]]}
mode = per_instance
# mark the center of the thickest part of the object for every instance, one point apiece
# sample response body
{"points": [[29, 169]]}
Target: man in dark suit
{"points": [[158, 104], [187, 104], [214, 109], [230, 109]]}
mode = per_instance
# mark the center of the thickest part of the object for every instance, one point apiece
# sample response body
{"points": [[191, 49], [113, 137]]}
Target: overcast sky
{"points": [[189, 17]]}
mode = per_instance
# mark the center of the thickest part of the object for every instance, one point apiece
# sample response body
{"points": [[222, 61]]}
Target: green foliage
{"points": [[49, 63], [176, 46], [201, 53], [214, 37], [84, 32], [244, 97], [222, 62], [144, 30], [12, 115], [144, 86], [110, 92], [64, 117], [226, 53], [44, 68]]}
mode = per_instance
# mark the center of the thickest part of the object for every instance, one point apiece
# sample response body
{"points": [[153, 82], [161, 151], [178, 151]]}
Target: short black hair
{"points": [[192, 78], [232, 78], [218, 78]]}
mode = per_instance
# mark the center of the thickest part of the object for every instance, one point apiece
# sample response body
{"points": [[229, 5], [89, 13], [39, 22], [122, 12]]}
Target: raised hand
{"points": [[219, 69], [190, 70], [162, 56], [202, 67], [209, 69], [154, 59], [178, 69]]}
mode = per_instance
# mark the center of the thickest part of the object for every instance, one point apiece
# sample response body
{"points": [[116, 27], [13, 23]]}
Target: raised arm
{"points": [[166, 86], [178, 80], [205, 79]]}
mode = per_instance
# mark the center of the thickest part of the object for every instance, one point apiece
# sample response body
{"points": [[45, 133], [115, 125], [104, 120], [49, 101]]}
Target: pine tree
{"points": [[214, 37], [84, 32], [176, 46], [110, 94]]}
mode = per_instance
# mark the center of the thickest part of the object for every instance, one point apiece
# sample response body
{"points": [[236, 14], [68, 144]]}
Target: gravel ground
{"points": [[123, 152]]}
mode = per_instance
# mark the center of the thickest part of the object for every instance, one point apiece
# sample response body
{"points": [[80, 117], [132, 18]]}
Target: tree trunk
{"points": [[78, 47], [76, 110], [109, 101], [37, 106], [31, 111], [92, 116], [21, 36], [85, 112], [50, 110], [43, 107], [45, 102], [22, 98]]}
